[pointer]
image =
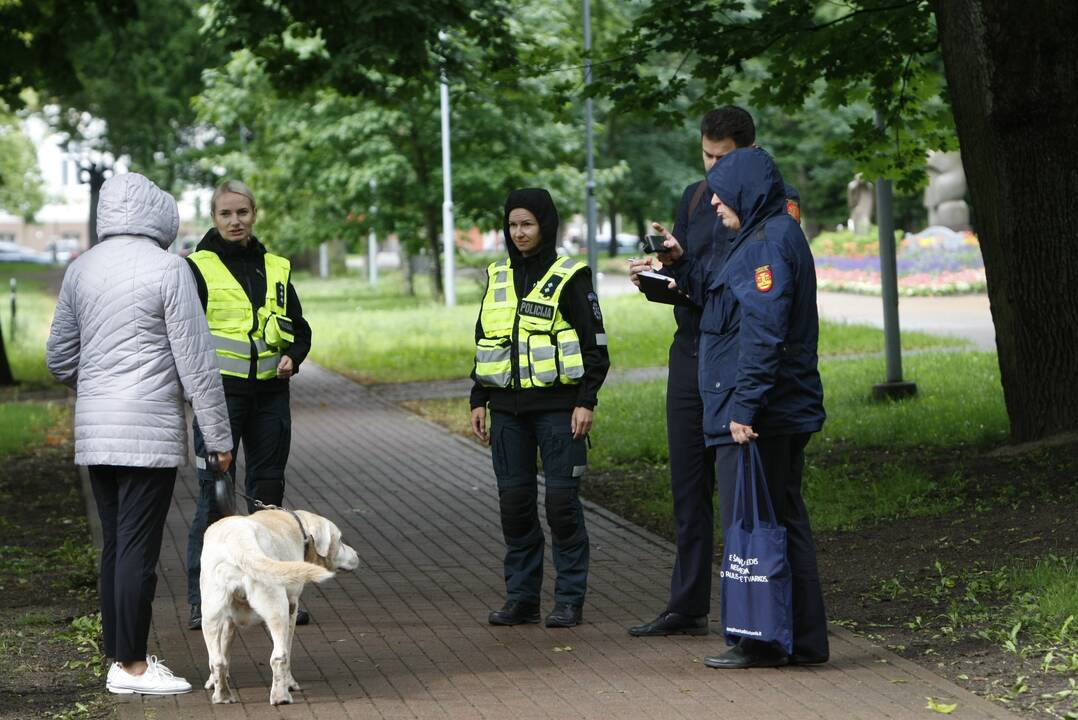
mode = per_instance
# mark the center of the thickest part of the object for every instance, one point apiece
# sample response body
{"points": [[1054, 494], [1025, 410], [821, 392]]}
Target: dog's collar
{"points": [[302, 530]]}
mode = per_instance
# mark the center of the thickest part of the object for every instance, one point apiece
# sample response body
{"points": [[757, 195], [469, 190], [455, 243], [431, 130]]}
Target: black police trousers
{"points": [[514, 440], [133, 503], [784, 463], [692, 483], [263, 423]]}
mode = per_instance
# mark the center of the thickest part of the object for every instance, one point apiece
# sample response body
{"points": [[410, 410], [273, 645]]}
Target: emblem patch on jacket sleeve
{"points": [[594, 300], [764, 281]]}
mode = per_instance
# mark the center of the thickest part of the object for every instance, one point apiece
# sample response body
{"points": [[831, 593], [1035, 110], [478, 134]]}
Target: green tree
{"points": [[319, 160], [1010, 72], [120, 74], [21, 189]]}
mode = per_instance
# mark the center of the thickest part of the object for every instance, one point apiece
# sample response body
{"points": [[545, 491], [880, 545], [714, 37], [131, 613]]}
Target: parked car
{"points": [[577, 245], [13, 252], [64, 251]]}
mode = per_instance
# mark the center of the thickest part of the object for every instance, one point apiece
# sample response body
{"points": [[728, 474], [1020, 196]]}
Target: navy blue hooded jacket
{"points": [[760, 330]]}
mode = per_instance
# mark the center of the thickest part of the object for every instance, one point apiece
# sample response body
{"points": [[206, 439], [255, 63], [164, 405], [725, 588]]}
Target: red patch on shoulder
{"points": [[764, 281], [793, 209]]}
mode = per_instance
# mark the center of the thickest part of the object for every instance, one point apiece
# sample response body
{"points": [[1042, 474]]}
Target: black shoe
{"points": [[799, 659], [515, 612], [738, 658], [195, 623], [302, 617], [671, 623], [565, 615]]}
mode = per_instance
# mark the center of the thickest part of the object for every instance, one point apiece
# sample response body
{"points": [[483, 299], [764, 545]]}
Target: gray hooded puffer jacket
{"points": [[129, 335]]}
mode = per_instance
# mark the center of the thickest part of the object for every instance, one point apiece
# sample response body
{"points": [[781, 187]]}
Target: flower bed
{"points": [[934, 262]]}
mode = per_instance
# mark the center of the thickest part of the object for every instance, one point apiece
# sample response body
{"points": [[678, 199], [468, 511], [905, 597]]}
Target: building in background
{"points": [[61, 227]]}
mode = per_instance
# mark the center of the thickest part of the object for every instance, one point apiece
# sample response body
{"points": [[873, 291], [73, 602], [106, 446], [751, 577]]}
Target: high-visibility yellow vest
{"points": [[237, 330], [547, 347]]}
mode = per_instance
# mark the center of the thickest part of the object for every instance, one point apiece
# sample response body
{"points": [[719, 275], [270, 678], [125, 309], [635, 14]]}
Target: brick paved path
{"points": [[405, 636]]}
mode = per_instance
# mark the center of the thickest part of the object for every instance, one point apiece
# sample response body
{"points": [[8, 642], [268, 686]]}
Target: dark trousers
{"points": [[692, 483], [514, 441], [132, 503], [784, 463], [263, 423]]}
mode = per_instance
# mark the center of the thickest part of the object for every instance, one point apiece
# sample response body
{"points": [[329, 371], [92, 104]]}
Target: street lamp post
{"points": [[894, 387], [593, 251], [372, 241], [448, 234]]}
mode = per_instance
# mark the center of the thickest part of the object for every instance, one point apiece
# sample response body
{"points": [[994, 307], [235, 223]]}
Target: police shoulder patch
{"points": [[764, 280], [793, 209], [594, 300]]}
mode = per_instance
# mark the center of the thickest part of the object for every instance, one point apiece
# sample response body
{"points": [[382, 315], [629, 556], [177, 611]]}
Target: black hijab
{"points": [[541, 205]]}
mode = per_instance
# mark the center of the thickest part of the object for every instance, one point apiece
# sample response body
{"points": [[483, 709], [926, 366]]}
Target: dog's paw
{"points": [[219, 698], [284, 698]]}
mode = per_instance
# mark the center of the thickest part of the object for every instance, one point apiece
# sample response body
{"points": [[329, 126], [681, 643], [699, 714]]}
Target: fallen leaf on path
{"points": [[563, 648], [939, 707]]}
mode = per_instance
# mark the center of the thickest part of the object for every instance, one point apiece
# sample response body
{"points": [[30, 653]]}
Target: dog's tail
{"points": [[286, 572]]}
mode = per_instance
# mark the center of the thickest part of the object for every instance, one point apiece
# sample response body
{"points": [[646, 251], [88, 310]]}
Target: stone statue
{"points": [[946, 191], [860, 198]]}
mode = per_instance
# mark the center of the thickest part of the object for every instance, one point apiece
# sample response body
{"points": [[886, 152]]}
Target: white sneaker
{"points": [[157, 680]]}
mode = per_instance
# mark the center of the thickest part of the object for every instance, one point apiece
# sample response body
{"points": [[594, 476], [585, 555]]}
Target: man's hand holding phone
{"points": [[669, 251]]}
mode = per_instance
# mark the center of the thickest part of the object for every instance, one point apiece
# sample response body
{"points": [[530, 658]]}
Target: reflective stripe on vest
{"points": [[547, 346], [237, 329]]}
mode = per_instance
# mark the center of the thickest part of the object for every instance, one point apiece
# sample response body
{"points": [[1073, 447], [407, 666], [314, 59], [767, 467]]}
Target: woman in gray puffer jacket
{"points": [[130, 337]]}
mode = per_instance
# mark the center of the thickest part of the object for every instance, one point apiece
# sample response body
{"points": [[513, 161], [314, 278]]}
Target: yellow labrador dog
{"points": [[253, 569]]}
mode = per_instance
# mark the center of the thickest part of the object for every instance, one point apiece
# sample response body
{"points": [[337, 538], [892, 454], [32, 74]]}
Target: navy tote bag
{"points": [[756, 583]]}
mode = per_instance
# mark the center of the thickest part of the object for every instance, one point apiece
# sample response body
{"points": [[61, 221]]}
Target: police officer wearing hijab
{"points": [[541, 357], [759, 375]]}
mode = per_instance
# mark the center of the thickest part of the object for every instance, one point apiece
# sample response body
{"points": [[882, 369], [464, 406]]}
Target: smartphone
{"points": [[654, 244]]}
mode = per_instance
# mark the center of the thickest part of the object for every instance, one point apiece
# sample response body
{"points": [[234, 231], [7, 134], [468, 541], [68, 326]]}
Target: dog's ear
{"points": [[322, 536]]}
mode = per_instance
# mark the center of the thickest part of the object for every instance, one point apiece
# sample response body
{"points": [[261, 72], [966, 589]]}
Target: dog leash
{"points": [[224, 494]]}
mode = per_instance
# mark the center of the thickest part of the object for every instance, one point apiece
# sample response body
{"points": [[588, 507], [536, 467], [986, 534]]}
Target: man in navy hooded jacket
{"points": [[758, 372]]}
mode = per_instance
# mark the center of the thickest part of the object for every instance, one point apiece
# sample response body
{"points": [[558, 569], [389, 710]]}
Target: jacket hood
{"points": [[539, 202], [130, 204], [213, 242], [748, 182]]}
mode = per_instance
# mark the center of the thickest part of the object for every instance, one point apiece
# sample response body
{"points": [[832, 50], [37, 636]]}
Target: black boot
{"points": [[195, 623], [565, 615], [515, 612], [671, 623]]}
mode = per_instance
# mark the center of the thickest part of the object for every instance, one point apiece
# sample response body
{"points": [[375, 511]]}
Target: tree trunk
{"points": [[1012, 69], [6, 378], [641, 226], [613, 249], [431, 211], [407, 270], [432, 216], [96, 174]]}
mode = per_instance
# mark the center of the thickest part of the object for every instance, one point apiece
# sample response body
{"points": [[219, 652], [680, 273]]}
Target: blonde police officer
{"points": [[541, 358], [261, 338]]}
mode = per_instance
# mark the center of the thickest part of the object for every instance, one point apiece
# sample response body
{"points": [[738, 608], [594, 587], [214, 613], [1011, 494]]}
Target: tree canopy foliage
{"points": [[21, 190]]}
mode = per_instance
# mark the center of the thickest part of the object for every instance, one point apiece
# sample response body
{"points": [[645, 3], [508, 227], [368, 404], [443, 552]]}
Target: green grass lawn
{"points": [[959, 403], [25, 424], [378, 335], [33, 317]]}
